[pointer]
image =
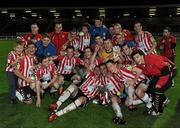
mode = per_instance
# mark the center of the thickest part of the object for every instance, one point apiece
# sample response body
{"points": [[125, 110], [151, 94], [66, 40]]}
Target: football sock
{"points": [[65, 95], [117, 109], [130, 94], [69, 108]]}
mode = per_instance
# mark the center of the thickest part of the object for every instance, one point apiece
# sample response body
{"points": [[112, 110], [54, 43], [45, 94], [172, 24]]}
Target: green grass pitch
{"points": [[93, 116]]}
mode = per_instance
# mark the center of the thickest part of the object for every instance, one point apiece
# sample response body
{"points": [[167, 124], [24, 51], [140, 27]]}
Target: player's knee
{"points": [[140, 92], [114, 99], [126, 102], [82, 99], [72, 88]]}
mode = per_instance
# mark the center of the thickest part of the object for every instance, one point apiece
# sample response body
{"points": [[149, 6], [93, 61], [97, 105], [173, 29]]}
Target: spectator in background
{"points": [[145, 41], [33, 36], [167, 44], [45, 47], [58, 37], [99, 28]]}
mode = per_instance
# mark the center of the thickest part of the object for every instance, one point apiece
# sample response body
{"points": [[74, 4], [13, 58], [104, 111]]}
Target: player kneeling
{"points": [[79, 95], [46, 77]]}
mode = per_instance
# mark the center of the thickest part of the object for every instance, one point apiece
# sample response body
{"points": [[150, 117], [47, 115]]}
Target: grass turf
{"points": [[93, 116]]}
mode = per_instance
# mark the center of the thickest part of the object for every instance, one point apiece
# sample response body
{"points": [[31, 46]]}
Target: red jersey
{"points": [[145, 41], [46, 73], [12, 56], [58, 39], [89, 86], [27, 37], [75, 43], [166, 42], [127, 35], [152, 67], [25, 67], [66, 65]]}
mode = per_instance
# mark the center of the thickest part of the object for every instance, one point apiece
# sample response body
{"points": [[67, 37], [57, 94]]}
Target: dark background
{"points": [[166, 14]]}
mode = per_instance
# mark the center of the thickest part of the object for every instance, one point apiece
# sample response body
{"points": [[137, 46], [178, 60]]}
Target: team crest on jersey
{"points": [[90, 88], [109, 86]]}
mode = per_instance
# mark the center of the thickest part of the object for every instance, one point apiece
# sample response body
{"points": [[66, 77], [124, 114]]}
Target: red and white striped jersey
{"points": [[125, 74], [66, 65], [12, 56], [46, 73], [145, 41], [26, 68], [89, 86], [75, 43], [112, 84], [84, 41]]}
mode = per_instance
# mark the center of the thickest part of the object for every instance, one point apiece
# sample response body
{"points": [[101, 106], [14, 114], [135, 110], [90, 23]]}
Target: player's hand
{"points": [[96, 48], [29, 80], [38, 103]]}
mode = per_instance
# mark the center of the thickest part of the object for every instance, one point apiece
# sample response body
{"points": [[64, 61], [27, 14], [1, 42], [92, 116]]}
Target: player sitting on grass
{"points": [[79, 95], [66, 66], [46, 77]]}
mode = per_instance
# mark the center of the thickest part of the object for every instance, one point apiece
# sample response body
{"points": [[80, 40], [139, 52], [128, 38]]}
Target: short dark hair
{"points": [[110, 61], [41, 58], [70, 47], [86, 25], [31, 43], [102, 64], [137, 51], [98, 18], [58, 22], [89, 48], [138, 22], [19, 43], [46, 35], [124, 44], [34, 24], [167, 28], [98, 34]]}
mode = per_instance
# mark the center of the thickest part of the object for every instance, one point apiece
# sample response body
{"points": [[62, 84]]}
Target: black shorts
{"points": [[152, 85], [26, 93], [67, 77], [79, 94]]}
